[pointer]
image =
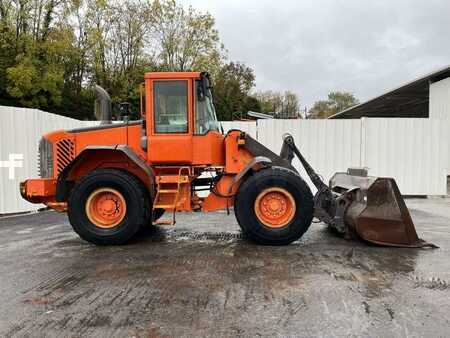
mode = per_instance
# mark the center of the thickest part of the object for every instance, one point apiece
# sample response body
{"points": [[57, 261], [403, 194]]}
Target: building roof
{"points": [[408, 100]]}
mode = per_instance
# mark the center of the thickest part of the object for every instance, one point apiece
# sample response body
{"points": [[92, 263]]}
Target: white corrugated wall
{"points": [[20, 132], [440, 99], [413, 151], [328, 145], [440, 104], [416, 152], [249, 127]]}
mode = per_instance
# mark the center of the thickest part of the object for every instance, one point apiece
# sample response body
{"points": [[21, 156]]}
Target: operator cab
{"points": [[181, 122]]}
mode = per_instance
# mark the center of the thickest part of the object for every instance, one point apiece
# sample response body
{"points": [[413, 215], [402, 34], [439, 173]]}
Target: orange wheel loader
{"points": [[114, 179]]}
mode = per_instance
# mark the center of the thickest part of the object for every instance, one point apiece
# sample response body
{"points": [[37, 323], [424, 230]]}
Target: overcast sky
{"points": [[313, 47]]}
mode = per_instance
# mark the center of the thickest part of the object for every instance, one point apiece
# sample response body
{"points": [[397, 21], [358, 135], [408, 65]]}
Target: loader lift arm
{"points": [[324, 200], [357, 205]]}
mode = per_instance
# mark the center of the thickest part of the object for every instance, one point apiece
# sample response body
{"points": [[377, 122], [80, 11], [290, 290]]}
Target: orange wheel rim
{"points": [[106, 208], [275, 207]]}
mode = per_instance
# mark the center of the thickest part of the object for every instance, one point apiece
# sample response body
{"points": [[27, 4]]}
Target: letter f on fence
{"points": [[14, 161]]}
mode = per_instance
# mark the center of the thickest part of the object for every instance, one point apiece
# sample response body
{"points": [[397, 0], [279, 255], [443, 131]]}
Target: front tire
{"points": [[274, 206], [108, 207]]}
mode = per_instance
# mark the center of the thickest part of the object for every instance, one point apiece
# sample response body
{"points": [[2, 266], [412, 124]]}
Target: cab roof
{"points": [[172, 75]]}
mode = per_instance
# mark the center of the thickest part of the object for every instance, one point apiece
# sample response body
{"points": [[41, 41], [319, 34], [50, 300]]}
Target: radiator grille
{"points": [[65, 153], [45, 159]]}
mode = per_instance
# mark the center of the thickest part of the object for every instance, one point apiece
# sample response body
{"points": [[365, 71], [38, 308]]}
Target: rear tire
{"points": [[108, 207], [274, 206]]}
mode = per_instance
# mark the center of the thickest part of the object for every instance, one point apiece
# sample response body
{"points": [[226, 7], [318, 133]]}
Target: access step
{"points": [[172, 179], [164, 206], [163, 222]]}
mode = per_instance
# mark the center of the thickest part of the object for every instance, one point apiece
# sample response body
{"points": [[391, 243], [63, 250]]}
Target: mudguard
{"points": [[63, 188]]}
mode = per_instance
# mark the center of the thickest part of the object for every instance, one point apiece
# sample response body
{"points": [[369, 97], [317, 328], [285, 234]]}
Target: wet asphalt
{"points": [[199, 278]]}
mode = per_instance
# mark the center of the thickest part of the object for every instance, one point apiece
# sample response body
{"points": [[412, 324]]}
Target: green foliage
{"points": [[232, 86], [37, 47], [321, 110], [21, 79], [35, 83], [281, 105], [52, 52], [185, 39], [337, 102]]}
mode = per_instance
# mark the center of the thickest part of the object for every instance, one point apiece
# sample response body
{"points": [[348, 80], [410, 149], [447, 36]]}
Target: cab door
{"points": [[170, 130]]}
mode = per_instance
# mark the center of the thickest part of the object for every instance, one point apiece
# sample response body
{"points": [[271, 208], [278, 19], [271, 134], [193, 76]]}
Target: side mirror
{"points": [[205, 85], [124, 109]]}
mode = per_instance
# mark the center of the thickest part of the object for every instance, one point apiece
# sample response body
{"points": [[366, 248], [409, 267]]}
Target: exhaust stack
{"points": [[103, 111]]}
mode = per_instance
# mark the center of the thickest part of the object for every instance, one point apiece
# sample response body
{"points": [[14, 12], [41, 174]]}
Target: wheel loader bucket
{"points": [[376, 211]]}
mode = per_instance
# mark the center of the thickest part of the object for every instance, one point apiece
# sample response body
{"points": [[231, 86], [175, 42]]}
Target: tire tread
{"points": [[120, 176], [250, 225]]}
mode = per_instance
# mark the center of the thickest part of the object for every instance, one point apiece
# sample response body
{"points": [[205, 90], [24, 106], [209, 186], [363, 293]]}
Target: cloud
{"points": [[313, 47]]}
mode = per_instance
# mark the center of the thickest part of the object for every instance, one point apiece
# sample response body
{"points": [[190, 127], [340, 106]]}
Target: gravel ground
{"points": [[199, 278]]}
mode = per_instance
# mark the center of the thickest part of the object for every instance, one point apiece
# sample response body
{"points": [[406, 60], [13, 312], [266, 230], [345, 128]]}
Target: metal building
{"points": [[425, 97]]}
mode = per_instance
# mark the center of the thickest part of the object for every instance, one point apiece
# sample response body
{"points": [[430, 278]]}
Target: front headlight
{"points": [[45, 160]]}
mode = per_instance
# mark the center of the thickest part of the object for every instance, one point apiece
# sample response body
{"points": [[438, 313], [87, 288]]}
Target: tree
{"points": [[39, 46], [337, 102], [184, 40], [118, 53], [127, 39], [270, 101], [281, 105], [321, 110], [52, 52], [232, 86]]}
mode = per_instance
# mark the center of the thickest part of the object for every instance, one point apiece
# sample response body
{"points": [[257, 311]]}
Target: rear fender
{"points": [[94, 157]]}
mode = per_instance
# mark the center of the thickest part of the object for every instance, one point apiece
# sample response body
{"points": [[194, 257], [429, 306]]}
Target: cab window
{"points": [[170, 100], [205, 114]]}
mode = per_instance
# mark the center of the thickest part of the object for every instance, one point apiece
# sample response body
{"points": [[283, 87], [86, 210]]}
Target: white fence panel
{"points": [[328, 145], [445, 135], [413, 151], [416, 152], [439, 105], [21, 130], [248, 127]]}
